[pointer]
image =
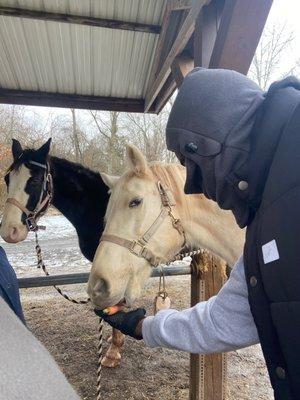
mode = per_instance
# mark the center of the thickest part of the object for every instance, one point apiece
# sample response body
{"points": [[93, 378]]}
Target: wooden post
{"points": [[207, 373]]}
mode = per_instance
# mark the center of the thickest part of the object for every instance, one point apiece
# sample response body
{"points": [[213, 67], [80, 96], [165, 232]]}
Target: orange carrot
{"points": [[112, 310]]}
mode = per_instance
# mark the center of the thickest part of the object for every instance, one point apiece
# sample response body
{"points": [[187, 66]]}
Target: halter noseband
{"points": [[42, 205], [138, 247]]}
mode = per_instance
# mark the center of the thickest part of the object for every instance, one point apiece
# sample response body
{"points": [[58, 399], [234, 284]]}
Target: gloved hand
{"points": [[126, 322]]}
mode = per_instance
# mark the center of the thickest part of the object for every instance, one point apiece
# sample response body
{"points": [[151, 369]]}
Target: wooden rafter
{"points": [[24, 97], [206, 29], [181, 5], [166, 92], [178, 46], [78, 19], [240, 29], [180, 67]]}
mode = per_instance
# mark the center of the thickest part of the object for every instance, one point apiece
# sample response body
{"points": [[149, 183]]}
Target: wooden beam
{"points": [[240, 29], [79, 19], [206, 29], [180, 67], [178, 46], [166, 92], [47, 99], [161, 40], [178, 5], [207, 373]]}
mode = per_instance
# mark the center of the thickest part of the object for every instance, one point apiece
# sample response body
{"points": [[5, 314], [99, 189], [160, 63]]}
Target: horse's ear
{"points": [[43, 151], [109, 180], [136, 160], [16, 149]]}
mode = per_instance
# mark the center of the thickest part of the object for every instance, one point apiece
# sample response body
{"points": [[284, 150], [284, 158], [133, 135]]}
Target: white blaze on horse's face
{"points": [[12, 228], [134, 205]]}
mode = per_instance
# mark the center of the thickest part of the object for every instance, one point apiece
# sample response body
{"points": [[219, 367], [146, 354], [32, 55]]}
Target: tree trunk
{"points": [[75, 137]]}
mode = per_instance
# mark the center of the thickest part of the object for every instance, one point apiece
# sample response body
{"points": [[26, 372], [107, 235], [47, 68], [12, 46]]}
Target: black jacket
{"points": [[245, 154], [272, 249]]}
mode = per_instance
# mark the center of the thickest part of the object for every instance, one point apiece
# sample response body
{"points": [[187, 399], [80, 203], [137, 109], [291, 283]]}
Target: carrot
{"points": [[112, 310]]}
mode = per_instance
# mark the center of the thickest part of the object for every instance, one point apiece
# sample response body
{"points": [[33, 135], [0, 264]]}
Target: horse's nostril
{"points": [[14, 233], [101, 288]]}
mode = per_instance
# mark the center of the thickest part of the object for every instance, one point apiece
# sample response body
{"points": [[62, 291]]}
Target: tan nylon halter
{"points": [[42, 205], [138, 247]]}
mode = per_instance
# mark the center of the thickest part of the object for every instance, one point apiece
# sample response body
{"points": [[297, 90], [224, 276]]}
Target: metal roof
{"points": [[116, 54], [57, 57]]}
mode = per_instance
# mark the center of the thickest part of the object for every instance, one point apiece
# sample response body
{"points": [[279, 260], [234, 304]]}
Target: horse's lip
{"points": [[121, 303]]}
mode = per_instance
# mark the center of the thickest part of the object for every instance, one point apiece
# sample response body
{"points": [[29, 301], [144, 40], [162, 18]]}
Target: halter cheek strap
{"points": [[42, 205], [138, 247]]}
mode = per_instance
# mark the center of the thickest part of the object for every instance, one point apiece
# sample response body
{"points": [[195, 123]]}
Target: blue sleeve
{"points": [[9, 289]]}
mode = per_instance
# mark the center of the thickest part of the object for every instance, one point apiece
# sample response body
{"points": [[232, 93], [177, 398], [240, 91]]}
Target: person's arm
{"points": [[27, 370], [221, 324]]}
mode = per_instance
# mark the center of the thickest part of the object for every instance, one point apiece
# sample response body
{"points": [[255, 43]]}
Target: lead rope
{"points": [[100, 356], [41, 265]]}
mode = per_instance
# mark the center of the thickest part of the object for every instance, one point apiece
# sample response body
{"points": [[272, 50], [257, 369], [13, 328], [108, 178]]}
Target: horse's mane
{"points": [[173, 177], [75, 171]]}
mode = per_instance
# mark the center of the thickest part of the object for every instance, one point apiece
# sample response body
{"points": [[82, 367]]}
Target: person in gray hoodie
{"points": [[240, 147]]}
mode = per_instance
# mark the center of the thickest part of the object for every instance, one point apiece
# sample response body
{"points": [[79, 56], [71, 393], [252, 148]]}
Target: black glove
{"points": [[126, 322]]}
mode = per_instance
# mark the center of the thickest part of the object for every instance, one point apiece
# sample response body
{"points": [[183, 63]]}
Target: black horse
{"points": [[78, 193]]}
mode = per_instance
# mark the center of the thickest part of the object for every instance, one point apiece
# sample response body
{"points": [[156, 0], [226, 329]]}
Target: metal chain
{"points": [[181, 256]]}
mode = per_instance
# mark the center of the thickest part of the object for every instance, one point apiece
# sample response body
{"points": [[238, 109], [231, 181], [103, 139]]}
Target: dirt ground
{"points": [[70, 334]]}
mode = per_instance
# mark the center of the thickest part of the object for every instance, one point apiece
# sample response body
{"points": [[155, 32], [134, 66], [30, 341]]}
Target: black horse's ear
{"points": [[43, 151], [16, 149]]}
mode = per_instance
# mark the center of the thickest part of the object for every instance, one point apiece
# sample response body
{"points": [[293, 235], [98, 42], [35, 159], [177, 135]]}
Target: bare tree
{"points": [[148, 133], [274, 44], [75, 133], [108, 126]]}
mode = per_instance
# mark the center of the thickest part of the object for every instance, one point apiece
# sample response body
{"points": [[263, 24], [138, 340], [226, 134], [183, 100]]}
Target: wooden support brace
{"points": [[241, 26], [180, 67], [207, 373], [206, 29]]}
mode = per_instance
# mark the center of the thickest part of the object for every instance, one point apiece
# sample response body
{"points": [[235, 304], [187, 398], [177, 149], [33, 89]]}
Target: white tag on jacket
{"points": [[270, 252]]}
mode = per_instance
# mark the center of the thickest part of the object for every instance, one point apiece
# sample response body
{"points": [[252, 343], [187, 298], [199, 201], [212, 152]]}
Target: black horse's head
{"points": [[25, 181]]}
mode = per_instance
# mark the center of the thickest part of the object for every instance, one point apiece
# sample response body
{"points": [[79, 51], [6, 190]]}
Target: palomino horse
{"points": [[78, 193], [144, 227]]}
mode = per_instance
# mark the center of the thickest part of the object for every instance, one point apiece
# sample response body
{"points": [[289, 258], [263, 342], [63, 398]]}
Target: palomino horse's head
{"points": [[25, 180], [141, 230]]}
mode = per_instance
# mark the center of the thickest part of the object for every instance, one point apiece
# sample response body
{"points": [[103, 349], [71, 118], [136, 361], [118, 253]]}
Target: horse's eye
{"points": [[135, 202]]}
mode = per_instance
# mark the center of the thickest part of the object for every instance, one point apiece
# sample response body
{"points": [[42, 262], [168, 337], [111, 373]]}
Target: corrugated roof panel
{"points": [[143, 11], [49, 56]]}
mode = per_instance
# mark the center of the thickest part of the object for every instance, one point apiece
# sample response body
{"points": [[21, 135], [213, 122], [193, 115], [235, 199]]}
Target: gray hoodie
{"points": [[209, 126]]}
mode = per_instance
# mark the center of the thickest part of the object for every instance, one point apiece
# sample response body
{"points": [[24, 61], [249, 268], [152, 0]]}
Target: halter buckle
{"points": [[31, 223], [137, 248]]}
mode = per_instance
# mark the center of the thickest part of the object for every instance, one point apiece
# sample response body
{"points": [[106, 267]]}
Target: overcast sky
{"points": [[288, 12]]}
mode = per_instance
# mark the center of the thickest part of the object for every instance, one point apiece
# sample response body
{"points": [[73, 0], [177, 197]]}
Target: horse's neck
{"points": [[206, 225], [81, 196]]}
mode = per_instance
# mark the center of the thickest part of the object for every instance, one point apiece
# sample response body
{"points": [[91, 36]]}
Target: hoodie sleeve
{"points": [[223, 323]]}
